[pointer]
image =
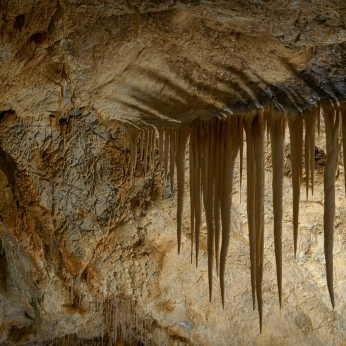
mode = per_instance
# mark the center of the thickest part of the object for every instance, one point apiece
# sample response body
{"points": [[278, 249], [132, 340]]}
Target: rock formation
{"points": [[137, 137]]}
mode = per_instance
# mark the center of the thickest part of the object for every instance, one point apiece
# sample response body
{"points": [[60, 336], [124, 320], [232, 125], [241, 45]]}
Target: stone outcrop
{"points": [[85, 244]]}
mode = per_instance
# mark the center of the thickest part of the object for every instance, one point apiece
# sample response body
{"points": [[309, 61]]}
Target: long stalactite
{"points": [[343, 131], [230, 144], [182, 136], [192, 192], [295, 124], [331, 120], [171, 156], [276, 129], [166, 146], [214, 144], [258, 134], [196, 179], [217, 191], [207, 198], [251, 203]]}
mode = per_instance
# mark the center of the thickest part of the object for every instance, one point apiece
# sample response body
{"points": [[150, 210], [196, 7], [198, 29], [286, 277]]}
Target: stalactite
{"points": [[259, 206], [205, 153], [150, 147], [146, 150], [166, 152], [192, 190], [331, 120], [307, 152], [172, 142], [310, 126], [59, 114], [251, 175], [343, 126], [182, 136], [72, 282], [137, 23], [218, 141], [132, 134], [277, 149], [153, 143], [141, 141], [213, 149], [108, 125], [211, 191], [230, 150], [241, 144], [208, 194], [197, 179], [319, 120], [295, 124], [160, 149]]}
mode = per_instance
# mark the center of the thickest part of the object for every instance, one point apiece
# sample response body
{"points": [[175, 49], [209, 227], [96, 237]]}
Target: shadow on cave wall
{"points": [[242, 90]]}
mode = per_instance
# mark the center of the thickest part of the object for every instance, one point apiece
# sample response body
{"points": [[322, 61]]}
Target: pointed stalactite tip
{"points": [[137, 23], [214, 146]]}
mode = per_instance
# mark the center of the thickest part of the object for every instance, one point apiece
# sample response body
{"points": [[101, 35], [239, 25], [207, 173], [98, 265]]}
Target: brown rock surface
{"points": [[76, 233]]}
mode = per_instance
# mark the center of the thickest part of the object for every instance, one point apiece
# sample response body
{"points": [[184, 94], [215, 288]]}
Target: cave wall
{"points": [[79, 237], [91, 232]]}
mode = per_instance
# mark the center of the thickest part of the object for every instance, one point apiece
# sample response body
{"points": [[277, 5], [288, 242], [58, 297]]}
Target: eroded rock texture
{"points": [[87, 242]]}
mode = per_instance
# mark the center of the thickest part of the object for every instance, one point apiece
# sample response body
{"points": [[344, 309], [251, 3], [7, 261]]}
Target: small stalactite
{"points": [[153, 146], [160, 131], [149, 155], [141, 143], [146, 150], [132, 133], [310, 118], [166, 153], [137, 23], [107, 123], [319, 119], [116, 319]]}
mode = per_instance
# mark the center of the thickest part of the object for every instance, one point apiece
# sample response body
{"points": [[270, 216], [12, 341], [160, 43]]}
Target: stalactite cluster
{"points": [[254, 128], [147, 147], [115, 320], [214, 145], [217, 142]]}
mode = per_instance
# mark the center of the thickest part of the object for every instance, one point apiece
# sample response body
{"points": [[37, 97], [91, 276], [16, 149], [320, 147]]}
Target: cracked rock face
{"points": [[81, 246]]}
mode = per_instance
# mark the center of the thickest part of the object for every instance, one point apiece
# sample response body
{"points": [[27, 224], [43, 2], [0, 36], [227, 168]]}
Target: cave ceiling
{"points": [[167, 62]]}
